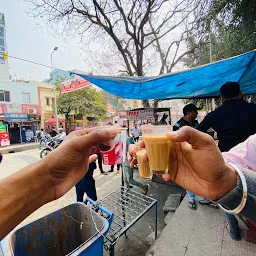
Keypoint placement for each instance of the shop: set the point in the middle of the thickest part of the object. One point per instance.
(156, 116)
(20, 128)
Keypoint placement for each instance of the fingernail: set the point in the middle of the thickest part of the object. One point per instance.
(112, 130)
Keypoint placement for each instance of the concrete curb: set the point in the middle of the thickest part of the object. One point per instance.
(19, 148)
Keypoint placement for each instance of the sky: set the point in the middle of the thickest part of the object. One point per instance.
(28, 40)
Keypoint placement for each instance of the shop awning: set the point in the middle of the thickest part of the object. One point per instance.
(53, 121)
(200, 82)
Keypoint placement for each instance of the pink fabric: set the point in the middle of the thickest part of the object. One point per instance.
(243, 154)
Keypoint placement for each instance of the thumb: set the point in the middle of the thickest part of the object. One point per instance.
(95, 138)
(190, 135)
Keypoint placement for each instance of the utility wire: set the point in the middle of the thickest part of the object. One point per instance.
(36, 63)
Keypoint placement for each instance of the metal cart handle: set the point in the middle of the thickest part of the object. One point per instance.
(103, 209)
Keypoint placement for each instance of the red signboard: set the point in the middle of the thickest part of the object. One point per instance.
(74, 84)
(3, 108)
(4, 139)
(140, 114)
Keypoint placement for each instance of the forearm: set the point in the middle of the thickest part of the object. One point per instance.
(21, 194)
(234, 197)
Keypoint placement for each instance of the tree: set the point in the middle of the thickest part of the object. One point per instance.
(87, 102)
(227, 29)
(232, 25)
(146, 34)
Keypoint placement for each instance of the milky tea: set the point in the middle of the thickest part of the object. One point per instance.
(144, 170)
(158, 147)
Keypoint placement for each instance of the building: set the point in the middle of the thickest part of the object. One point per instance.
(4, 69)
(46, 101)
(19, 109)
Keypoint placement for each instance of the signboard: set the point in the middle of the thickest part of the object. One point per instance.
(29, 136)
(140, 114)
(2, 127)
(4, 139)
(2, 108)
(74, 84)
(14, 108)
(12, 117)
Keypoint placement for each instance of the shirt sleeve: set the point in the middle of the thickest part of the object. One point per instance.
(176, 127)
(205, 124)
(234, 197)
(243, 154)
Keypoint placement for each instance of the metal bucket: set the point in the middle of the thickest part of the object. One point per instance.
(68, 231)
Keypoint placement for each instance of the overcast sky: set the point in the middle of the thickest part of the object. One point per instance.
(26, 38)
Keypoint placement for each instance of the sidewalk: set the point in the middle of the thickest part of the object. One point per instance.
(19, 147)
(198, 233)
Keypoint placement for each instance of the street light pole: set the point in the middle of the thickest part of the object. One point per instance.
(54, 91)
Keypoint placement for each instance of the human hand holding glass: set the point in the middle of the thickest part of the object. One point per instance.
(196, 164)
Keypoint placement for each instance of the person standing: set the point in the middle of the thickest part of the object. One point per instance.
(189, 117)
(234, 121)
(118, 166)
(129, 171)
(100, 161)
(60, 136)
(190, 114)
(42, 137)
(87, 185)
(135, 132)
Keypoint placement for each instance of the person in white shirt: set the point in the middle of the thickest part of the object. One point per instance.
(61, 135)
(135, 133)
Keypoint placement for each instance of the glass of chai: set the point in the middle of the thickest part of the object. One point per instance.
(158, 147)
(144, 170)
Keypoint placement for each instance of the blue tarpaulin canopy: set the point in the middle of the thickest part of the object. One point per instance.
(200, 82)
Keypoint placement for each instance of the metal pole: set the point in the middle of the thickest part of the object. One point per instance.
(54, 91)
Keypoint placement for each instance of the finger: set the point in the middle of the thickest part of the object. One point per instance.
(92, 158)
(94, 138)
(133, 162)
(190, 135)
(88, 130)
(166, 177)
(145, 158)
(141, 144)
(132, 150)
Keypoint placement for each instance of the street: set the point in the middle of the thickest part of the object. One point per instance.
(105, 184)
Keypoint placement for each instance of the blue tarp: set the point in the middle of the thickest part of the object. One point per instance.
(200, 82)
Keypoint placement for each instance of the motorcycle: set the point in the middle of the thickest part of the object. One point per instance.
(50, 145)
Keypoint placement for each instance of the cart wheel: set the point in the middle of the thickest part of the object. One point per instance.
(45, 152)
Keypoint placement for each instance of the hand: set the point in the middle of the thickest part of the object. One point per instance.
(196, 164)
(68, 163)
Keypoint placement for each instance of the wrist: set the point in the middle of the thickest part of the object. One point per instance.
(227, 182)
(47, 185)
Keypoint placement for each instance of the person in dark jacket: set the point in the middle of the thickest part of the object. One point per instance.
(87, 185)
(234, 121)
(189, 118)
(53, 133)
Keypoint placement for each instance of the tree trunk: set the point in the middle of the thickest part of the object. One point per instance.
(155, 103)
(145, 103)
